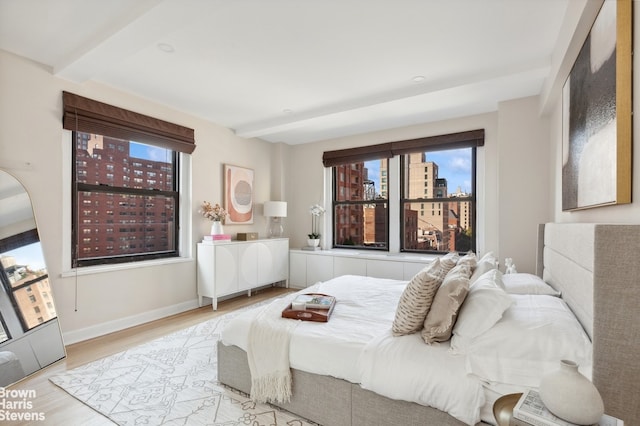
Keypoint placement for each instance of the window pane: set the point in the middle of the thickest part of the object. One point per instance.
(28, 281)
(360, 205)
(361, 181)
(124, 224)
(438, 200)
(361, 225)
(32, 303)
(120, 163)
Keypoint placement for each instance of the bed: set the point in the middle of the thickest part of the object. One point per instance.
(347, 382)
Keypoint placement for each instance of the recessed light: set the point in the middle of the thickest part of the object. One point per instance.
(287, 111)
(418, 78)
(165, 47)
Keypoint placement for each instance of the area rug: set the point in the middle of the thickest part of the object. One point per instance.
(169, 381)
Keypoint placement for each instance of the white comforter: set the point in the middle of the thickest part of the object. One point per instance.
(356, 345)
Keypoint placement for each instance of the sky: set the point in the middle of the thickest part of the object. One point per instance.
(453, 165)
(148, 152)
(30, 255)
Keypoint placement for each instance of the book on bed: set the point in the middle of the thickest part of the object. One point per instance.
(314, 301)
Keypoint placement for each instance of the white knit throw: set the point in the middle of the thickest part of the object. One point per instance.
(268, 353)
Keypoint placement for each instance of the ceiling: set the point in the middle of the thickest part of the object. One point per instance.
(297, 71)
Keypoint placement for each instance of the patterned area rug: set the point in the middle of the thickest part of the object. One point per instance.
(169, 381)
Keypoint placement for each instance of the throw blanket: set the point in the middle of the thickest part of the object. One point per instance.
(268, 353)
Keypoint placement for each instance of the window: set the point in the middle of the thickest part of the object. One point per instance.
(147, 206)
(360, 205)
(125, 185)
(437, 194)
(448, 224)
(25, 280)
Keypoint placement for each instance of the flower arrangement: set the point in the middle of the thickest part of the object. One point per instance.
(215, 213)
(316, 211)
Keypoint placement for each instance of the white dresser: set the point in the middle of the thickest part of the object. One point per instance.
(231, 267)
(310, 267)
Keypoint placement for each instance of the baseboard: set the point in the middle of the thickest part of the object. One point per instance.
(98, 330)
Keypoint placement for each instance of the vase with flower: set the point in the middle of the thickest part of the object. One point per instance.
(215, 213)
(313, 239)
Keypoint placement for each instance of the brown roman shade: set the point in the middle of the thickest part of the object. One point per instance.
(389, 149)
(354, 155)
(87, 115)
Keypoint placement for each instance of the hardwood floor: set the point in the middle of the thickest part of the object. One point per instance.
(59, 408)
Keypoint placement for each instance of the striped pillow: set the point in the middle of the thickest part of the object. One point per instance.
(416, 299)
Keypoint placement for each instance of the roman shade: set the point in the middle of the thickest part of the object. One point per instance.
(86, 115)
(354, 155)
(389, 149)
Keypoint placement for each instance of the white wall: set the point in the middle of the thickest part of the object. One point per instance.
(523, 180)
(31, 148)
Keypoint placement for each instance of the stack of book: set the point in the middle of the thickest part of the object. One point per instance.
(210, 239)
(530, 411)
(313, 301)
(310, 307)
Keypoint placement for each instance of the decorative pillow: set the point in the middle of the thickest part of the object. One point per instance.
(529, 341)
(523, 283)
(446, 304)
(449, 260)
(482, 308)
(470, 259)
(486, 263)
(416, 299)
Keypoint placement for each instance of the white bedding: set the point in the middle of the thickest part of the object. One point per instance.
(333, 348)
(356, 345)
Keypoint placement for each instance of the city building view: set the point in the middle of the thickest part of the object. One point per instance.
(434, 218)
(113, 218)
(31, 291)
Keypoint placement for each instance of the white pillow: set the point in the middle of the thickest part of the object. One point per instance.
(523, 283)
(486, 263)
(482, 308)
(528, 342)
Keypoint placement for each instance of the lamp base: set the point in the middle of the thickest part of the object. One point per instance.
(276, 230)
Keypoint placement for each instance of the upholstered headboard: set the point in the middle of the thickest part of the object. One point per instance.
(595, 268)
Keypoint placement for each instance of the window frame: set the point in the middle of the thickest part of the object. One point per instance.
(78, 187)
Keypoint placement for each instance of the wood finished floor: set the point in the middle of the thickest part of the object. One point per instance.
(60, 408)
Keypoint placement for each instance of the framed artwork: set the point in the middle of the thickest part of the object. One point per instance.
(596, 109)
(238, 194)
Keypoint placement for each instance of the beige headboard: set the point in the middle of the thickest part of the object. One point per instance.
(595, 266)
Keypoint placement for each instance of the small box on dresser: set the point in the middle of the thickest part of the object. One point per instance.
(247, 236)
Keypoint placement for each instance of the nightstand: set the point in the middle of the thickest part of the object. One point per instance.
(503, 412)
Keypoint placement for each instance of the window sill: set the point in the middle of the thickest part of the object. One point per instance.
(91, 270)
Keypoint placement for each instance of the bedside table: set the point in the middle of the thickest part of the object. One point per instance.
(503, 412)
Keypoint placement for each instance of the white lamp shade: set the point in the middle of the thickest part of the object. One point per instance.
(275, 208)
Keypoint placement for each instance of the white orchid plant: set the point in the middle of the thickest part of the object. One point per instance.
(316, 211)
